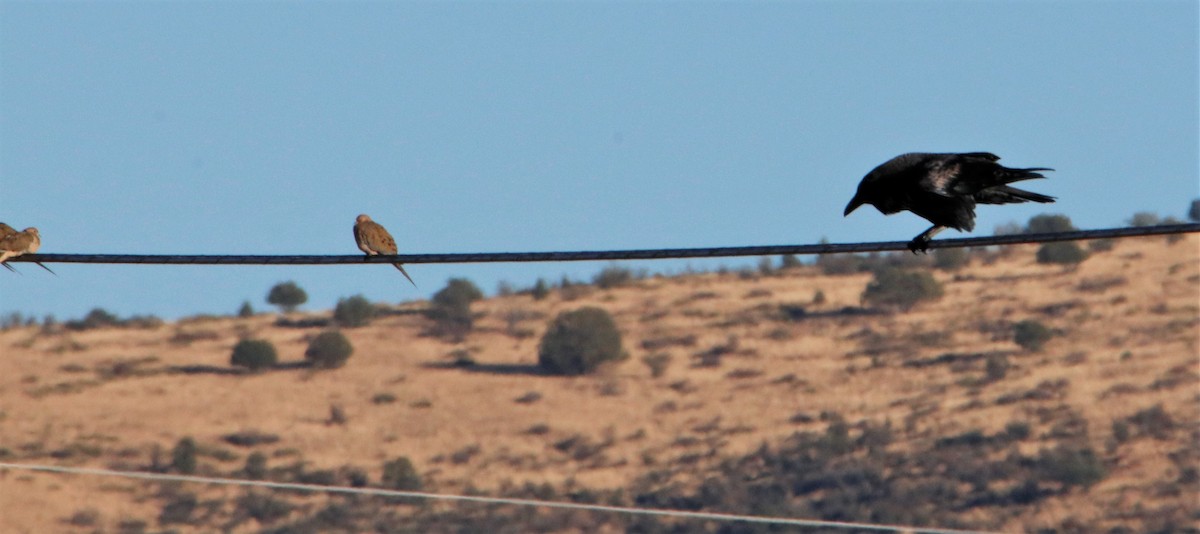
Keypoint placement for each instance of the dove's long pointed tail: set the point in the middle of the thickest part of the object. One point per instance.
(405, 273)
(39, 264)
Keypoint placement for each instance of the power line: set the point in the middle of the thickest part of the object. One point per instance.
(640, 254)
(379, 492)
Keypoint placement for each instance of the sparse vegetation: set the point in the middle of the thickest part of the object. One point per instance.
(1061, 253)
(577, 342)
(399, 474)
(950, 259)
(246, 310)
(1049, 224)
(540, 290)
(287, 295)
(329, 350)
(450, 308)
(183, 456)
(254, 354)
(903, 289)
(1031, 335)
(657, 363)
(353, 312)
(1193, 213)
(613, 276)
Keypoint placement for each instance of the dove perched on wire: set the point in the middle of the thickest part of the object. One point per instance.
(5, 231)
(373, 239)
(26, 241)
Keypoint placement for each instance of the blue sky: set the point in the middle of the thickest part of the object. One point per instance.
(265, 128)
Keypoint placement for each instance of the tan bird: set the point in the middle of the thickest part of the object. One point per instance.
(375, 240)
(5, 231)
(24, 242)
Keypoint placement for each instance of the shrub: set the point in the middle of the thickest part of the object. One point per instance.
(246, 310)
(1048, 224)
(256, 466)
(254, 354)
(97, 318)
(399, 474)
(577, 342)
(835, 264)
(451, 308)
(789, 261)
(657, 363)
(1194, 211)
(183, 456)
(1071, 467)
(1061, 252)
(1154, 422)
(950, 259)
(263, 507)
(1144, 218)
(329, 350)
(612, 276)
(996, 367)
(178, 508)
(901, 289)
(287, 295)
(353, 312)
(540, 290)
(1031, 334)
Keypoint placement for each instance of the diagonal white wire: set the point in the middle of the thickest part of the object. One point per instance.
(380, 492)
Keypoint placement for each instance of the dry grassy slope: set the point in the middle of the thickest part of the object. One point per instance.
(57, 405)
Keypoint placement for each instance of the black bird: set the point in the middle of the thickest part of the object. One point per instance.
(943, 188)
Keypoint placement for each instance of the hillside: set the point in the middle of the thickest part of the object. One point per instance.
(759, 371)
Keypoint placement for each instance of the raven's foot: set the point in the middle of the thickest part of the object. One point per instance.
(919, 244)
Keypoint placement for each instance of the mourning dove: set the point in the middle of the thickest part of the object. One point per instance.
(5, 231)
(375, 240)
(26, 241)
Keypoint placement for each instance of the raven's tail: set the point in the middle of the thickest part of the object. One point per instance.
(1010, 195)
(1007, 175)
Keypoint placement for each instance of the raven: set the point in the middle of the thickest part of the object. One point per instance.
(943, 189)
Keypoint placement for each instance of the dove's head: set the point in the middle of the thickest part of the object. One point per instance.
(31, 230)
(362, 218)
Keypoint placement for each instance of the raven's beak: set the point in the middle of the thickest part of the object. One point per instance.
(853, 205)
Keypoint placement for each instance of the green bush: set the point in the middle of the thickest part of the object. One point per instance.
(837, 264)
(657, 363)
(183, 456)
(246, 310)
(1049, 223)
(329, 350)
(789, 261)
(353, 312)
(254, 354)
(612, 276)
(1194, 211)
(399, 474)
(540, 290)
(1061, 252)
(950, 259)
(450, 308)
(996, 367)
(577, 342)
(1031, 335)
(901, 289)
(256, 466)
(1144, 218)
(287, 295)
(97, 318)
(1071, 467)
